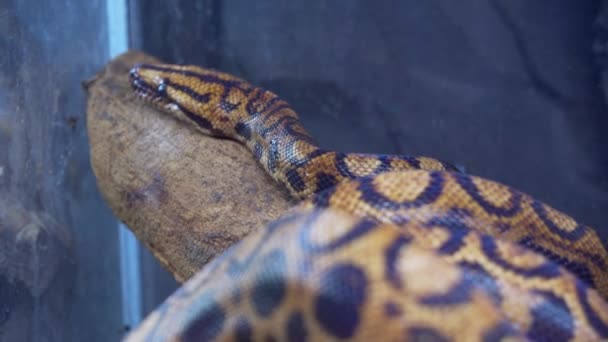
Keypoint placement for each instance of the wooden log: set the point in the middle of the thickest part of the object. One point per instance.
(36, 269)
(186, 196)
(33, 247)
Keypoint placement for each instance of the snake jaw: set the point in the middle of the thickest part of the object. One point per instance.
(152, 93)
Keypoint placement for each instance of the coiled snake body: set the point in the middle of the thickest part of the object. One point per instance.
(382, 247)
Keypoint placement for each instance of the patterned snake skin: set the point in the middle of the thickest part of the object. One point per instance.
(382, 247)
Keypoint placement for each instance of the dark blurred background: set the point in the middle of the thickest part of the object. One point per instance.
(511, 90)
(507, 89)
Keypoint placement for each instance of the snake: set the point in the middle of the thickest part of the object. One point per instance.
(380, 247)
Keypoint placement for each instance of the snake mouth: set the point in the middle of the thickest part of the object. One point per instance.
(145, 90)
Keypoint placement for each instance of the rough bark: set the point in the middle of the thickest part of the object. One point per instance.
(186, 196)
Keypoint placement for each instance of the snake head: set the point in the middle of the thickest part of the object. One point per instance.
(190, 93)
(151, 84)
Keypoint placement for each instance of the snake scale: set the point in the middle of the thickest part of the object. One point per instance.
(381, 247)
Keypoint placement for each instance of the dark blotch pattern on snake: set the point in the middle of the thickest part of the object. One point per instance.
(382, 247)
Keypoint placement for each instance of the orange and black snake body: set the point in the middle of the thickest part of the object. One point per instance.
(381, 247)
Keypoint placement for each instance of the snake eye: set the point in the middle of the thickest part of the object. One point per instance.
(162, 88)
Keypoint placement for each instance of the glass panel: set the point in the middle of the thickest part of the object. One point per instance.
(59, 252)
